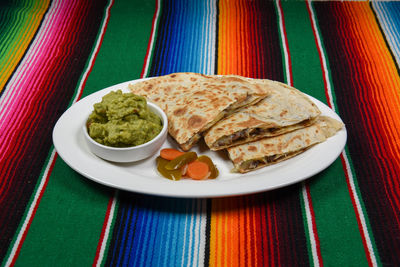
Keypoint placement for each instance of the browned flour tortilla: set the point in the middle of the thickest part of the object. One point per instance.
(270, 150)
(194, 102)
(285, 109)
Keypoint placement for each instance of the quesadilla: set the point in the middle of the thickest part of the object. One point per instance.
(285, 109)
(270, 150)
(194, 102)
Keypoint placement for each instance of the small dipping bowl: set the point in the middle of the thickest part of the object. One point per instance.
(133, 153)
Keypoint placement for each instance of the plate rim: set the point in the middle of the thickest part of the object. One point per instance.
(162, 186)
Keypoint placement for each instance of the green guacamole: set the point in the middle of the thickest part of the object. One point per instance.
(123, 120)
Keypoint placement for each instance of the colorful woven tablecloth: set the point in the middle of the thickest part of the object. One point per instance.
(346, 54)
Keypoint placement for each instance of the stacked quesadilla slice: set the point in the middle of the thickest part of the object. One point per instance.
(254, 155)
(194, 102)
(285, 109)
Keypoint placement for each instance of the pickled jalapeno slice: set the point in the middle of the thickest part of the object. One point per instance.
(211, 166)
(180, 161)
(169, 174)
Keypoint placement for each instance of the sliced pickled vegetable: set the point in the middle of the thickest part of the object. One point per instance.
(170, 153)
(214, 171)
(169, 174)
(198, 170)
(180, 161)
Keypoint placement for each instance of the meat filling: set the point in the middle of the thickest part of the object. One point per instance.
(243, 135)
(253, 164)
(250, 134)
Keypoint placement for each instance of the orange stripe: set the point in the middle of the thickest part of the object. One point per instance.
(383, 73)
(214, 234)
(230, 45)
(233, 236)
(385, 79)
(243, 234)
(383, 82)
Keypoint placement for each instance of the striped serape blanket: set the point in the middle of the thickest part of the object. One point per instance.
(346, 54)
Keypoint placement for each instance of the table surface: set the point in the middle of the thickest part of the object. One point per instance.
(345, 54)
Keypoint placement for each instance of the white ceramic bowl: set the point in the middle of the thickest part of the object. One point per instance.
(134, 153)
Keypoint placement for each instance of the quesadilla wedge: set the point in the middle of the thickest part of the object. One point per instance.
(270, 150)
(285, 109)
(194, 102)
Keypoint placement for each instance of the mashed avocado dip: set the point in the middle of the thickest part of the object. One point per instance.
(123, 120)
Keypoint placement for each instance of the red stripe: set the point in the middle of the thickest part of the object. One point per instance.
(324, 71)
(98, 48)
(310, 206)
(314, 226)
(16, 155)
(46, 95)
(250, 217)
(319, 53)
(103, 231)
(363, 94)
(366, 93)
(15, 256)
(391, 169)
(42, 95)
(241, 203)
(109, 206)
(286, 45)
(278, 261)
(364, 241)
(153, 26)
(270, 239)
(259, 231)
(264, 248)
(256, 72)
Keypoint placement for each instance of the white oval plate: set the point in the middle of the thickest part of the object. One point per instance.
(142, 176)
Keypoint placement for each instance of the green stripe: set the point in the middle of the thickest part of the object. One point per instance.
(68, 222)
(124, 47)
(15, 24)
(335, 218)
(26, 213)
(353, 173)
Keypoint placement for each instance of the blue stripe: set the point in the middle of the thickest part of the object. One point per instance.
(129, 233)
(118, 234)
(153, 234)
(137, 243)
(195, 216)
(388, 14)
(147, 220)
(123, 236)
(184, 48)
(155, 230)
